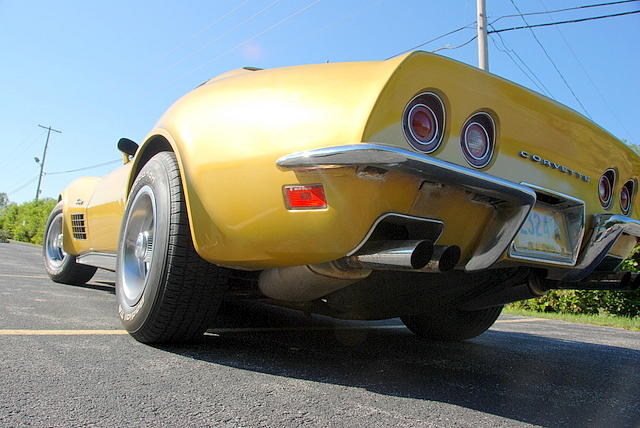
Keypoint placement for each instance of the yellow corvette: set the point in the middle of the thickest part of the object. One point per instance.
(416, 187)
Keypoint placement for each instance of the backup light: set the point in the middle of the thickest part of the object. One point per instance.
(307, 197)
(477, 140)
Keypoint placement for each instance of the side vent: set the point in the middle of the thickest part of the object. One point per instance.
(78, 227)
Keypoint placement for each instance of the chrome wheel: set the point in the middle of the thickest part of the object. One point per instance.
(54, 250)
(137, 246)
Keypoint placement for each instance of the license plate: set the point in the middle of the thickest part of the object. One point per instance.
(543, 235)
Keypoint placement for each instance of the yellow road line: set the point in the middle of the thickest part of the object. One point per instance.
(8, 275)
(60, 332)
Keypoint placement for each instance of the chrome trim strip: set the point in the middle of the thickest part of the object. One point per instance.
(101, 260)
(606, 231)
(512, 202)
(569, 204)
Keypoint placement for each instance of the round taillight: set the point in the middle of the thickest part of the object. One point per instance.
(604, 190)
(626, 196)
(478, 139)
(423, 124)
(625, 200)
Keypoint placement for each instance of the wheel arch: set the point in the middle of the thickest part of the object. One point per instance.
(159, 140)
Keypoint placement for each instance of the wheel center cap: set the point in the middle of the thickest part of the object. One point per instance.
(58, 241)
(141, 245)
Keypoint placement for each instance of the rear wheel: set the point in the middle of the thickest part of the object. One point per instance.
(165, 291)
(452, 325)
(60, 266)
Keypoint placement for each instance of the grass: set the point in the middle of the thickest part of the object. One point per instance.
(605, 320)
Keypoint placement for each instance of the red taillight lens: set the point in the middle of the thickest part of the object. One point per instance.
(423, 122)
(476, 141)
(305, 197)
(625, 199)
(604, 190)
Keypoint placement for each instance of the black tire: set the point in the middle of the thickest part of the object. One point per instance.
(179, 293)
(60, 266)
(452, 325)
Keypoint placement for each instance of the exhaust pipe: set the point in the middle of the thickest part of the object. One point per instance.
(307, 282)
(391, 255)
(444, 259)
(615, 281)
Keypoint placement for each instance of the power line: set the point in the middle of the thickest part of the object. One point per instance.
(84, 168)
(456, 47)
(551, 61)
(586, 6)
(434, 39)
(507, 51)
(22, 186)
(207, 28)
(570, 21)
(332, 24)
(250, 39)
(21, 149)
(231, 30)
(586, 73)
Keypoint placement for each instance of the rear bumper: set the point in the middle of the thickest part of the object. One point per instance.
(511, 202)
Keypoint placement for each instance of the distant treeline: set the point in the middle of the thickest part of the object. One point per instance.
(24, 222)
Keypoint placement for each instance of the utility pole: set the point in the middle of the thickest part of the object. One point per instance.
(483, 53)
(44, 156)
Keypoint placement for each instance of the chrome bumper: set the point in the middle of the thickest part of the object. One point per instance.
(606, 231)
(511, 201)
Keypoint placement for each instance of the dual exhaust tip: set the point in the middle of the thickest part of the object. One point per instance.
(416, 255)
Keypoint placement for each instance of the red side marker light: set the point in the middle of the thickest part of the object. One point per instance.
(305, 197)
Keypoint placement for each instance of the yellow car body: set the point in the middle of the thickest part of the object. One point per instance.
(229, 133)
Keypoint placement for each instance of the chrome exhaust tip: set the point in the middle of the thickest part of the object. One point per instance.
(444, 259)
(392, 255)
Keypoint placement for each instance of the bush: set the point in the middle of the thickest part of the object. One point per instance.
(621, 303)
(26, 222)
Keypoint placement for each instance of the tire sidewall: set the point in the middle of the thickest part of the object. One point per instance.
(154, 174)
(54, 271)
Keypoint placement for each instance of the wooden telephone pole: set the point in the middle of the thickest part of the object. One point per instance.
(44, 156)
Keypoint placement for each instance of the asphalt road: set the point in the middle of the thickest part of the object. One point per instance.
(66, 362)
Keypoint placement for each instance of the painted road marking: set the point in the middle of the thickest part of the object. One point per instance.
(60, 332)
(8, 275)
(216, 331)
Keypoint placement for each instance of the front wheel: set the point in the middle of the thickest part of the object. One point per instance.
(165, 291)
(60, 266)
(451, 325)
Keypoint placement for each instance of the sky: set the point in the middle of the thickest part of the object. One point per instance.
(99, 71)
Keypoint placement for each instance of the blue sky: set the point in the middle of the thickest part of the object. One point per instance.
(99, 71)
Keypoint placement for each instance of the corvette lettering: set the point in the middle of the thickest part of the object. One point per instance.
(553, 165)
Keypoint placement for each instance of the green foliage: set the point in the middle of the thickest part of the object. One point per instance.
(622, 303)
(4, 201)
(25, 222)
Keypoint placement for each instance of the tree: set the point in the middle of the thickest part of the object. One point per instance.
(4, 201)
